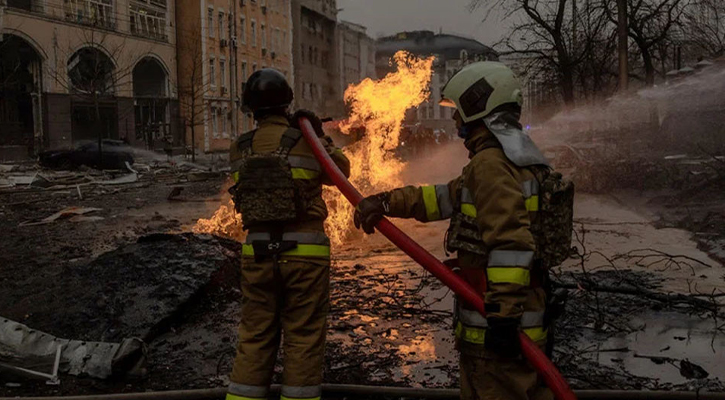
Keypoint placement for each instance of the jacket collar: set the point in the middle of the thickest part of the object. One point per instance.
(274, 120)
(479, 140)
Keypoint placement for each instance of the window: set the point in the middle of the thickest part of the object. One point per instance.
(310, 55)
(212, 72)
(284, 39)
(223, 72)
(224, 115)
(303, 54)
(147, 21)
(244, 71)
(277, 39)
(264, 37)
(210, 21)
(254, 33)
(222, 31)
(254, 67)
(243, 29)
(214, 121)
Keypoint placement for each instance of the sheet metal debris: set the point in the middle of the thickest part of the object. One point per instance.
(22, 349)
(74, 214)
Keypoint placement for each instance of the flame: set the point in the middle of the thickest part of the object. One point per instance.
(225, 222)
(379, 107)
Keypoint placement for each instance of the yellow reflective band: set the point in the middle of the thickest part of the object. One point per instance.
(235, 397)
(235, 176)
(299, 398)
(469, 209)
(301, 173)
(520, 276)
(431, 203)
(302, 250)
(532, 203)
(478, 335)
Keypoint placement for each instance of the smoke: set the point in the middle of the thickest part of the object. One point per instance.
(442, 164)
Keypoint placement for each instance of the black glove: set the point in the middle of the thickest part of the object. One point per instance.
(502, 337)
(371, 210)
(314, 120)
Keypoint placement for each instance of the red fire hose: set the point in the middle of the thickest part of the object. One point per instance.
(538, 360)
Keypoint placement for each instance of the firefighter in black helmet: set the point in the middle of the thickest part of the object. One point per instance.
(286, 256)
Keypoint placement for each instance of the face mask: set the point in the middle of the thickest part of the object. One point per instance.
(464, 131)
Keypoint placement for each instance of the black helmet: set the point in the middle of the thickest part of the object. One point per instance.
(266, 89)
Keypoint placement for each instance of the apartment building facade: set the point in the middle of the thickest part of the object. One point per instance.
(316, 57)
(220, 44)
(357, 54)
(83, 69)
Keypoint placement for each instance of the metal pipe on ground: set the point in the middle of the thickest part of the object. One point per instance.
(387, 391)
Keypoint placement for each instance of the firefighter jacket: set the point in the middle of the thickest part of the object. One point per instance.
(496, 202)
(308, 230)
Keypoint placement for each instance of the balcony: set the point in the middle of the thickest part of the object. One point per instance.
(148, 19)
(98, 13)
(26, 5)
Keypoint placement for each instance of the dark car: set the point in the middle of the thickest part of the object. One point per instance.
(116, 154)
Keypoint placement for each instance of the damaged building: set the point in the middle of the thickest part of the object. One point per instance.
(85, 70)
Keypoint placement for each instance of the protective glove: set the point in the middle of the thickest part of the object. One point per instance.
(371, 210)
(502, 337)
(314, 120)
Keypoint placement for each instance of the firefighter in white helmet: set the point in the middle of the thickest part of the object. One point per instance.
(491, 206)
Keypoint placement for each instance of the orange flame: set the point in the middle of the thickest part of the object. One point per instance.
(379, 106)
(225, 222)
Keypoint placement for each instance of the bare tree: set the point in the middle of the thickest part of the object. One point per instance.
(705, 26)
(93, 73)
(555, 34)
(650, 22)
(193, 84)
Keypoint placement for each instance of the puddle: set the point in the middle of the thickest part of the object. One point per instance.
(669, 335)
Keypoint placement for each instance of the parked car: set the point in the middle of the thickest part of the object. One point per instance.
(116, 154)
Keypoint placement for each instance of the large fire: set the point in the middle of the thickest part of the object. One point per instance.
(377, 106)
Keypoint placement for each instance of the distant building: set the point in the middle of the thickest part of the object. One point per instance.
(220, 44)
(452, 52)
(315, 55)
(75, 70)
(357, 54)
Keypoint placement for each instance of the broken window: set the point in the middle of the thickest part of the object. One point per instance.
(90, 12)
(148, 19)
(91, 71)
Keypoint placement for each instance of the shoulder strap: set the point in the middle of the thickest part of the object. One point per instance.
(289, 140)
(244, 144)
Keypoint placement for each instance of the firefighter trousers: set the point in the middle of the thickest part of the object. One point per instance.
(495, 378)
(290, 297)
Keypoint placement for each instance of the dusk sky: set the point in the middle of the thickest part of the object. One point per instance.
(391, 16)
